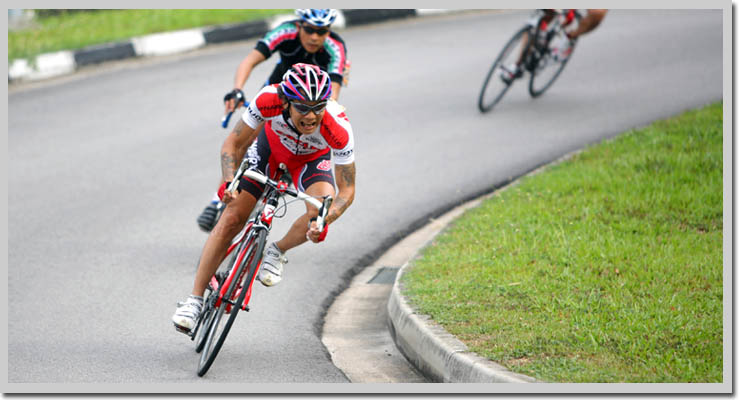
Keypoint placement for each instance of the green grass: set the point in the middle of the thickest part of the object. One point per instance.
(604, 268)
(76, 30)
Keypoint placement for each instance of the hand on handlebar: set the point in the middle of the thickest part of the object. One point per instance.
(225, 194)
(317, 226)
(228, 197)
(232, 100)
(313, 234)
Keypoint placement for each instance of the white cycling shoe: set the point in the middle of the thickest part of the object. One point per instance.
(187, 313)
(271, 272)
(510, 72)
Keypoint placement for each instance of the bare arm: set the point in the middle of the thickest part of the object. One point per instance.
(234, 147)
(246, 66)
(589, 22)
(335, 88)
(345, 175)
(242, 73)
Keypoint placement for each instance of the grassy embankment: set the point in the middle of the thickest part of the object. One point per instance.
(604, 268)
(70, 31)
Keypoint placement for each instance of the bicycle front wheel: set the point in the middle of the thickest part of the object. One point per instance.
(206, 318)
(219, 326)
(549, 65)
(209, 307)
(494, 87)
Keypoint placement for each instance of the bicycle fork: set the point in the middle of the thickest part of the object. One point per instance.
(263, 223)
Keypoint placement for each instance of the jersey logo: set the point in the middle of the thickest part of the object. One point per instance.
(269, 104)
(333, 133)
(345, 153)
(255, 115)
(324, 165)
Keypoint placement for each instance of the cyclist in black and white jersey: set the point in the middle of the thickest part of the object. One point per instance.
(307, 40)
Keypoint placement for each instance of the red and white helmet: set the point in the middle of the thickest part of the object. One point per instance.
(306, 82)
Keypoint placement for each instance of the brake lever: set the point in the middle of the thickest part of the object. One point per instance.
(227, 117)
(323, 211)
(238, 176)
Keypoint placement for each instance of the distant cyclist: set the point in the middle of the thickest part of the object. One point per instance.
(308, 39)
(308, 132)
(589, 22)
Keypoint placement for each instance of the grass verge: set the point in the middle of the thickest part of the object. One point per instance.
(70, 31)
(604, 268)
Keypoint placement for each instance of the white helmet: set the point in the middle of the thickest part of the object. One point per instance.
(317, 16)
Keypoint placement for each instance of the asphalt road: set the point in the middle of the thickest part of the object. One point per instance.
(108, 170)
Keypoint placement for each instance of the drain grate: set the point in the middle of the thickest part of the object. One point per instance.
(385, 276)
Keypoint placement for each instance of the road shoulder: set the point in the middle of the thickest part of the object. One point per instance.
(371, 324)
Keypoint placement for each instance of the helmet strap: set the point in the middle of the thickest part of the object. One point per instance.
(288, 121)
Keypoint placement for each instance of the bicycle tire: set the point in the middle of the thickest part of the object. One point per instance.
(485, 105)
(200, 338)
(210, 311)
(536, 72)
(204, 322)
(251, 260)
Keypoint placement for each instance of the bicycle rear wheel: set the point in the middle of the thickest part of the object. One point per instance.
(548, 68)
(218, 327)
(494, 87)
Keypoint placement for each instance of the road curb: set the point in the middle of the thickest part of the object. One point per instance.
(55, 64)
(427, 345)
(436, 352)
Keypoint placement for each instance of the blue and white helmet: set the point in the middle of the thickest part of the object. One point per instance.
(317, 16)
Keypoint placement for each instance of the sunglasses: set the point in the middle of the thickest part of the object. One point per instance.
(305, 108)
(311, 30)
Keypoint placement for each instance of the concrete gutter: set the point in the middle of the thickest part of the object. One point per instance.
(435, 352)
(50, 65)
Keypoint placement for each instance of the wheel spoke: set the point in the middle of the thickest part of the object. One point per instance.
(547, 68)
(218, 327)
(494, 86)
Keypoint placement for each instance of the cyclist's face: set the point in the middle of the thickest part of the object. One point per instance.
(308, 122)
(312, 37)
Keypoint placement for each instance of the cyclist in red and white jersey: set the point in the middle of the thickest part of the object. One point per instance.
(308, 40)
(305, 130)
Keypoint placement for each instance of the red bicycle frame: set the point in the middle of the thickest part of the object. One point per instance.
(265, 222)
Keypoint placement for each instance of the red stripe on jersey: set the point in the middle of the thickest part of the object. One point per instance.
(286, 36)
(269, 104)
(335, 135)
